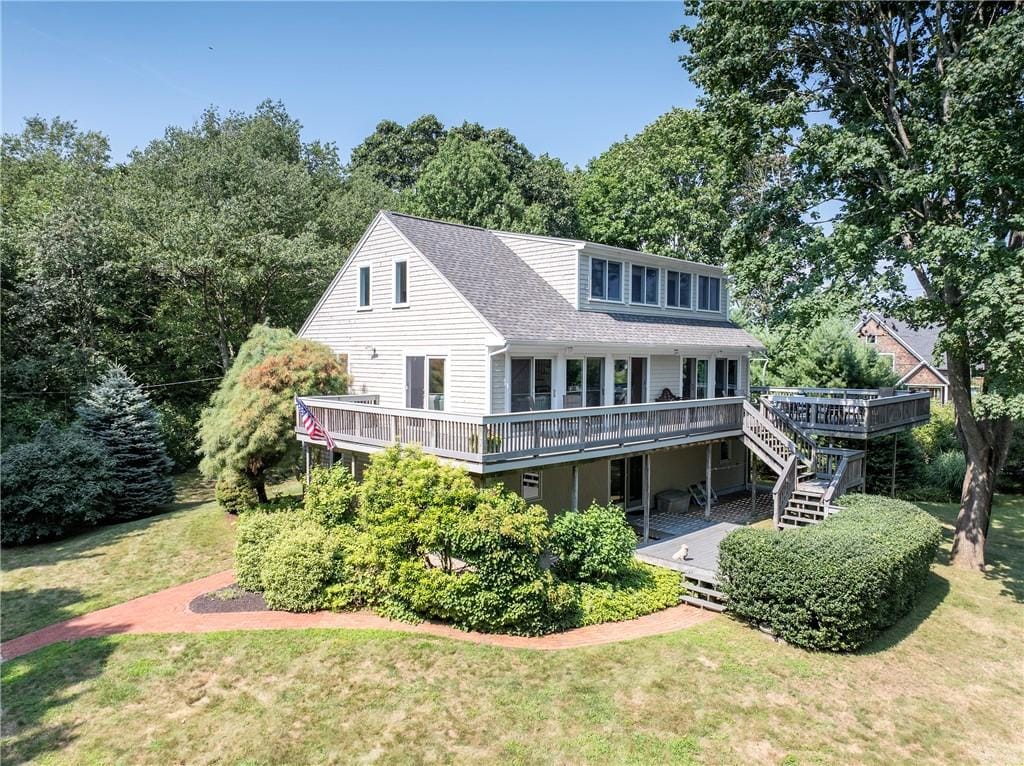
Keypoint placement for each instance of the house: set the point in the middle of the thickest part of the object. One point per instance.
(574, 372)
(911, 352)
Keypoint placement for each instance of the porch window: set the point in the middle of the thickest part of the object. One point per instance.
(726, 377)
(584, 382)
(709, 293)
(605, 279)
(401, 283)
(621, 381)
(677, 290)
(702, 379)
(531, 485)
(595, 381)
(531, 384)
(435, 384)
(644, 285)
(364, 286)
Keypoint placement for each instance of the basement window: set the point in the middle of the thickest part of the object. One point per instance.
(531, 485)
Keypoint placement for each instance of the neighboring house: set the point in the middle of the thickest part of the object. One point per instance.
(911, 352)
(573, 373)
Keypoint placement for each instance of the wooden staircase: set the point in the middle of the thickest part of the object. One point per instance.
(810, 478)
(702, 591)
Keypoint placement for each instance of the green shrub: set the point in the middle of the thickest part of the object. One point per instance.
(331, 496)
(257, 529)
(234, 493)
(299, 564)
(593, 545)
(946, 472)
(938, 435)
(641, 589)
(833, 586)
(504, 588)
(55, 484)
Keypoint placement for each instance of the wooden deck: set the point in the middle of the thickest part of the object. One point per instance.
(849, 413)
(702, 536)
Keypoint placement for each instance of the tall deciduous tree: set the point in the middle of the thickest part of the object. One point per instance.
(229, 216)
(248, 426)
(118, 415)
(908, 120)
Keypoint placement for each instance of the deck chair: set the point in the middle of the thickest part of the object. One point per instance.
(699, 494)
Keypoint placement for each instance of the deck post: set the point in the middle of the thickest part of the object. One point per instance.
(330, 458)
(647, 497)
(893, 492)
(707, 485)
(753, 481)
(305, 454)
(575, 486)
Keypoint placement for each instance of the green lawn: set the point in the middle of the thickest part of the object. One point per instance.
(43, 584)
(943, 687)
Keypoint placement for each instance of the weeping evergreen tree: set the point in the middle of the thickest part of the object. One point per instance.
(119, 416)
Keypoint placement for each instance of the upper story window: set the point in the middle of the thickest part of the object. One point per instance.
(709, 293)
(364, 286)
(401, 283)
(872, 339)
(605, 279)
(644, 285)
(677, 289)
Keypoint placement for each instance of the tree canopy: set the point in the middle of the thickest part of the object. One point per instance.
(907, 120)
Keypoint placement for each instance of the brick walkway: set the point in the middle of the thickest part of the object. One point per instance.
(167, 612)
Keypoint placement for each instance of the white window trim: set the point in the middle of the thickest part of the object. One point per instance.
(692, 280)
(890, 356)
(646, 268)
(540, 486)
(427, 356)
(394, 286)
(622, 287)
(369, 288)
(720, 291)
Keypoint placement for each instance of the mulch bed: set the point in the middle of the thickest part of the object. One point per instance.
(229, 599)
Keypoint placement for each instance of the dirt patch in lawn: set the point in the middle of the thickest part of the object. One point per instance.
(229, 599)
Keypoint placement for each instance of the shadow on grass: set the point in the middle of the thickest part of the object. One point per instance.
(935, 592)
(46, 605)
(1004, 550)
(38, 685)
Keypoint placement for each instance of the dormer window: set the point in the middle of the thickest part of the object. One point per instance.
(709, 293)
(677, 289)
(401, 297)
(605, 280)
(644, 285)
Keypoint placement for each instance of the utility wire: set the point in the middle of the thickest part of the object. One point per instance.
(31, 394)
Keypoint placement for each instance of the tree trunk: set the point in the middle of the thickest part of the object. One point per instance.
(261, 489)
(975, 510)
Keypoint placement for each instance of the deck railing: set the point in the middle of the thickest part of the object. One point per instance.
(849, 413)
(493, 439)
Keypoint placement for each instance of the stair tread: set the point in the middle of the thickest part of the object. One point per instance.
(714, 607)
(701, 589)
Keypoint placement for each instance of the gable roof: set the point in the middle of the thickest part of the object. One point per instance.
(920, 342)
(523, 307)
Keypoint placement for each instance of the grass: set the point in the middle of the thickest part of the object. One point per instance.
(43, 584)
(943, 686)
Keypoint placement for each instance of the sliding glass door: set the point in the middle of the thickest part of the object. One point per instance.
(584, 382)
(530, 384)
(626, 482)
(424, 382)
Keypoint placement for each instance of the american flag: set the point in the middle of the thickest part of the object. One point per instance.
(314, 430)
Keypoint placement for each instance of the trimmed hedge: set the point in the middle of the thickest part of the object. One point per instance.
(642, 589)
(593, 545)
(298, 566)
(836, 585)
(257, 529)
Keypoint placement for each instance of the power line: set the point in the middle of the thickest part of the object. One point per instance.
(34, 394)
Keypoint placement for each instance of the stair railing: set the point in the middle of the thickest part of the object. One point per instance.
(805, 445)
(783, 490)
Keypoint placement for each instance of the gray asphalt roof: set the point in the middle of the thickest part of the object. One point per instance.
(522, 306)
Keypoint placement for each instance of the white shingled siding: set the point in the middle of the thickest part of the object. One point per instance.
(664, 374)
(694, 269)
(498, 383)
(437, 321)
(555, 261)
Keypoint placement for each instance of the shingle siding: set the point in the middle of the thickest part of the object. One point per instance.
(555, 261)
(437, 320)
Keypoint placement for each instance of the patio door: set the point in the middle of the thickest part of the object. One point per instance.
(626, 482)
(584, 382)
(531, 384)
(424, 382)
(630, 380)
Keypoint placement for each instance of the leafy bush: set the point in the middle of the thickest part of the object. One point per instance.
(504, 588)
(331, 496)
(234, 493)
(641, 589)
(593, 545)
(836, 585)
(58, 482)
(257, 529)
(299, 564)
(946, 474)
(938, 435)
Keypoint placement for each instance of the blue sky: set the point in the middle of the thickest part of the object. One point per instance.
(566, 78)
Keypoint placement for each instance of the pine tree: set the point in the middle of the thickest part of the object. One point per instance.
(119, 416)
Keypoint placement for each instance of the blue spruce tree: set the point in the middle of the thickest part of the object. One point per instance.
(119, 416)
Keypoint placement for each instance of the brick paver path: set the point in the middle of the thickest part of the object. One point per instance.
(167, 612)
